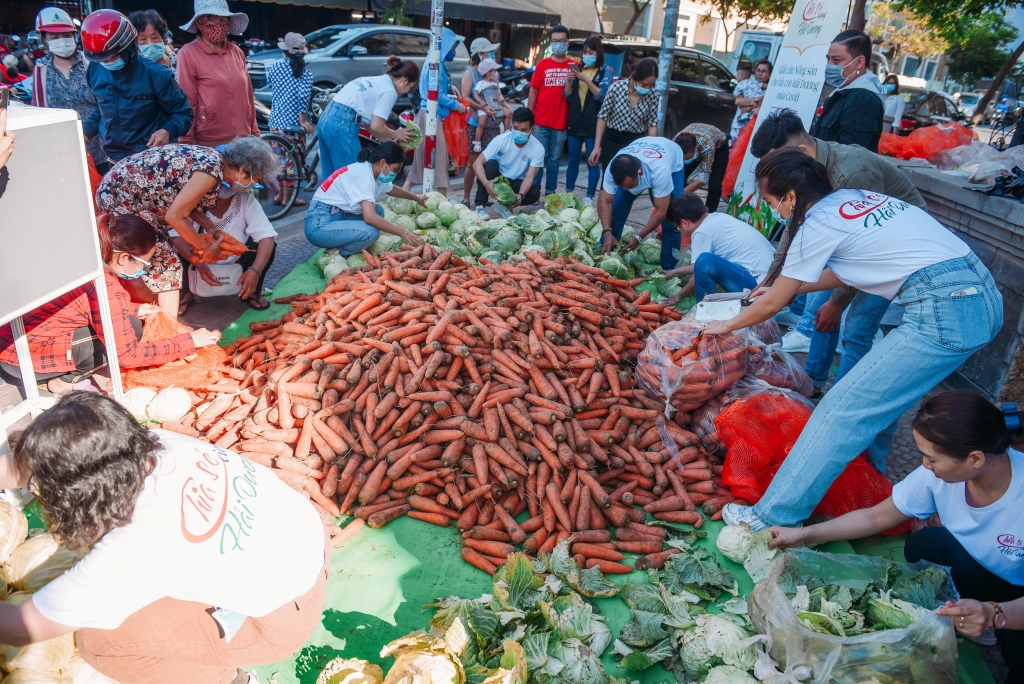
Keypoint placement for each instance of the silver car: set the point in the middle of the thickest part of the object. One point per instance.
(341, 53)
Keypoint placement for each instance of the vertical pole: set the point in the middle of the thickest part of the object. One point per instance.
(108, 336)
(433, 78)
(665, 58)
(28, 374)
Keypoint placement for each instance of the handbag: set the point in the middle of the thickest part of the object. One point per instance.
(226, 274)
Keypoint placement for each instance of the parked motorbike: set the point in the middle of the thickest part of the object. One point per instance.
(515, 84)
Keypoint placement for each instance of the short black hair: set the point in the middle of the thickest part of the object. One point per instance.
(777, 130)
(625, 166)
(559, 29)
(766, 63)
(857, 42)
(522, 114)
(141, 19)
(686, 207)
(687, 141)
(644, 69)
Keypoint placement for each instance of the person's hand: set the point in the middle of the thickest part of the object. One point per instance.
(717, 328)
(608, 242)
(6, 139)
(594, 157)
(784, 537)
(969, 617)
(421, 200)
(207, 275)
(148, 310)
(488, 186)
(402, 134)
(828, 317)
(412, 238)
(159, 137)
(632, 244)
(760, 291)
(308, 127)
(489, 111)
(249, 280)
(461, 109)
(204, 337)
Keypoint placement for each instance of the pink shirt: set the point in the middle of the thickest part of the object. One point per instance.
(218, 88)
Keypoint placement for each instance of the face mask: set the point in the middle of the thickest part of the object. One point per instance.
(133, 276)
(236, 188)
(386, 178)
(559, 48)
(589, 60)
(213, 33)
(778, 217)
(519, 137)
(834, 74)
(450, 56)
(116, 65)
(640, 90)
(491, 55)
(152, 52)
(889, 88)
(62, 47)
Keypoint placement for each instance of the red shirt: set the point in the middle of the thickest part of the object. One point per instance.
(50, 328)
(549, 78)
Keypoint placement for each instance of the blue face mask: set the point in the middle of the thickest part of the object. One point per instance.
(116, 65)
(559, 48)
(640, 90)
(132, 276)
(834, 74)
(778, 217)
(589, 60)
(889, 87)
(450, 56)
(491, 55)
(152, 52)
(519, 137)
(387, 177)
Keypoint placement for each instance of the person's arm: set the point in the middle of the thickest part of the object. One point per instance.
(977, 616)
(830, 313)
(594, 88)
(531, 175)
(686, 290)
(23, 625)
(531, 100)
(595, 156)
(681, 271)
(604, 84)
(853, 525)
(251, 278)
(658, 215)
(371, 216)
(747, 101)
(187, 87)
(764, 307)
(6, 139)
(182, 209)
(703, 171)
(185, 251)
(481, 174)
(402, 193)
(604, 212)
(10, 476)
(305, 93)
(254, 130)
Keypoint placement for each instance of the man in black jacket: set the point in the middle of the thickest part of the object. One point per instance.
(853, 112)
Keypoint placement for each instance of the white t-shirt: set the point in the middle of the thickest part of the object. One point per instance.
(243, 219)
(513, 161)
(871, 241)
(210, 527)
(734, 240)
(993, 535)
(370, 96)
(659, 159)
(350, 186)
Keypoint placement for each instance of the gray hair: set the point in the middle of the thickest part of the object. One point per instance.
(249, 152)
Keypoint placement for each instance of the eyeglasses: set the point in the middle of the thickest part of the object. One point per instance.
(141, 261)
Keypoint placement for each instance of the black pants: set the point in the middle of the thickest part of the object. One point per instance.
(491, 168)
(245, 261)
(87, 352)
(972, 580)
(717, 175)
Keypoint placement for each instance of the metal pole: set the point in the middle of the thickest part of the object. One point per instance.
(108, 337)
(433, 77)
(665, 58)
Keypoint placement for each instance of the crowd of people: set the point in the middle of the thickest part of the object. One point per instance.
(175, 137)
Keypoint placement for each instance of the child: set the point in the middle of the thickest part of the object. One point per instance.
(488, 93)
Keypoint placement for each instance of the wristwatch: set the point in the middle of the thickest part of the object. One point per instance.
(998, 618)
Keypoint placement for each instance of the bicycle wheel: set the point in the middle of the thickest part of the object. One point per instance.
(277, 201)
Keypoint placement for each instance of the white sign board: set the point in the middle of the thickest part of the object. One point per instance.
(798, 76)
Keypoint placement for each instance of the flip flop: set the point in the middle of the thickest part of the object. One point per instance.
(254, 303)
(300, 202)
(184, 305)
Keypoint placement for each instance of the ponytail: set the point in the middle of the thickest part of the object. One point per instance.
(389, 151)
(128, 234)
(399, 68)
(959, 422)
(297, 61)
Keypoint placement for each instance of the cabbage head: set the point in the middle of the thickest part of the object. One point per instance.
(569, 215)
(416, 139)
(531, 224)
(386, 242)
(556, 202)
(403, 206)
(434, 199)
(614, 266)
(589, 218)
(426, 220)
(581, 251)
(666, 287)
(475, 246)
(596, 232)
(726, 674)
(503, 191)
(406, 223)
(389, 215)
(566, 236)
(322, 262)
(508, 240)
(554, 241)
(356, 260)
(627, 233)
(650, 250)
(337, 265)
(492, 255)
(728, 641)
(446, 213)
(440, 237)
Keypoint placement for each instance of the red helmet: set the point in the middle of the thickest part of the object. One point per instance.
(54, 20)
(105, 33)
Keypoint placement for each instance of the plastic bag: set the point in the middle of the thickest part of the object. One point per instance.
(457, 138)
(681, 366)
(925, 142)
(205, 367)
(704, 426)
(924, 652)
(779, 368)
(736, 154)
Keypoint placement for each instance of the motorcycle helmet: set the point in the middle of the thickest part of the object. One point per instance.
(54, 20)
(105, 33)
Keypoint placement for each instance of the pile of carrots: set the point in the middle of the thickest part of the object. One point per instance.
(220, 245)
(468, 394)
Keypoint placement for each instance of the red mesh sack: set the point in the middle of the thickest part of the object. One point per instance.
(205, 367)
(892, 145)
(760, 429)
(924, 142)
(736, 154)
(457, 138)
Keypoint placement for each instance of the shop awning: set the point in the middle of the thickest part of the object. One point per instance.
(331, 4)
(529, 12)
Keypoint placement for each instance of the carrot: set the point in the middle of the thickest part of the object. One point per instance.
(554, 499)
(382, 518)
(594, 551)
(608, 567)
(643, 547)
(433, 518)
(491, 548)
(422, 503)
(688, 517)
(654, 560)
(478, 561)
(511, 526)
(347, 532)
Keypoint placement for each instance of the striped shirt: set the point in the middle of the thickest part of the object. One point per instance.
(709, 139)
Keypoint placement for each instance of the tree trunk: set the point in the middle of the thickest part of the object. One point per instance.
(597, 10)
(857, 20)
(637, 11)
(979, 111)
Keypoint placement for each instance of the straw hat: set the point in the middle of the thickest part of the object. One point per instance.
(218, 8)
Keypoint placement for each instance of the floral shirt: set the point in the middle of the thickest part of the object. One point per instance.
(146, 183)
(749, 88)
(71, 92)
(291, 95)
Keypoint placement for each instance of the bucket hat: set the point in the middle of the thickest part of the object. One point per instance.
(218, 8)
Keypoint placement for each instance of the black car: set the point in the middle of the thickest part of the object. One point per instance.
(927, 108)
(700, 90)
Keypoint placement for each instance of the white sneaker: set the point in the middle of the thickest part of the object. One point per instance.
(481, 211)
(588, 201)
(796, 342)
(734, 514)
(786, 319)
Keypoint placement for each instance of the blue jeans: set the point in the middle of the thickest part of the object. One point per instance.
(339, 138)
(576, 147)
(952, 309)
(823, 345)
(796, 307)
(710, 270)
(671, 238)
(349, 233)
(553, 142)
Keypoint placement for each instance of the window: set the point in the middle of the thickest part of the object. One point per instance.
(951, 110)
(377, 44)
(929, 70)
(632, 56)
(684, 69)
(754, 51)
(411, 45)
(911, 65)
(324, 37)
(715, 76)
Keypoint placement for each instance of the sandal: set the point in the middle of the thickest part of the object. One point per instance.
(300, 202)
(255, 303)
(184, 305)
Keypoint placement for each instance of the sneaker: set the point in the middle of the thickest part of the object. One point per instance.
(588, 201)
(986, 638)
(785, 319)
(481, 211)
(477, 149)
(734, 514)
(796, 342)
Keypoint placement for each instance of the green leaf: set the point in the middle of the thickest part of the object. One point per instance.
(643, 629)
(582, 666)
(921, 587)
(536, 648)
(699, 573)
(516, 586)
(636, 661)
(592, 583)
(645, 597)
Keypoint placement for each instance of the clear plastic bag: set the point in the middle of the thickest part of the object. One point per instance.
(780, 369)
(923, 653)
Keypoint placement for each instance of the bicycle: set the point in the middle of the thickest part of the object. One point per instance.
(1002, 134)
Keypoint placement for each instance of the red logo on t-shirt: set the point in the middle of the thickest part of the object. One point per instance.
(857, 208)
(649, 152)
(1009, 541)
(204, 498)
(325, 186)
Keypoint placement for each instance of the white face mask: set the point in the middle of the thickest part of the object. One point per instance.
(62, 47)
